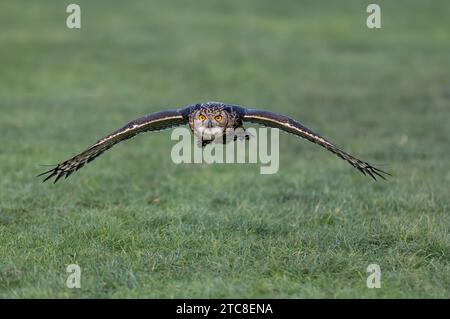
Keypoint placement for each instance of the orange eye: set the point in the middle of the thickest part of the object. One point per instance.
(218, 118)
(201, 117)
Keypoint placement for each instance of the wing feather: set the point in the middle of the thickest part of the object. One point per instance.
(152, 122)
(290, 125)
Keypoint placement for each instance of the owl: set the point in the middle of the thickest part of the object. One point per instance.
(210, 122)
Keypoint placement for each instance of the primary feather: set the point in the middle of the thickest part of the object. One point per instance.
(152, 122)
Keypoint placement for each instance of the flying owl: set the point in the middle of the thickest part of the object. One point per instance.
(210, 122)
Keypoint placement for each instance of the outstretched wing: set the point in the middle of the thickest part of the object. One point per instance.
(292, 126)
(152, 122)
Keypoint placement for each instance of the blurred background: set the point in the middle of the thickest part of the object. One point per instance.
(142, 226)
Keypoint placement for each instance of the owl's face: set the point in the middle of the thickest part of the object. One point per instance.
(208, 122)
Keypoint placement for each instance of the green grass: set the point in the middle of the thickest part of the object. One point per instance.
(310, 230)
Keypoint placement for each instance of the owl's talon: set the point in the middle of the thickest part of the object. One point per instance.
(202, 143)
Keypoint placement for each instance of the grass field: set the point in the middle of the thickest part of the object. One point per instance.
(141, 226)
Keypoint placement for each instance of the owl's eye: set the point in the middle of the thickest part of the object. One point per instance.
(201, 117)
(218, 118)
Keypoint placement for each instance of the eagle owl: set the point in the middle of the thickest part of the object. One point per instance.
(210, 122)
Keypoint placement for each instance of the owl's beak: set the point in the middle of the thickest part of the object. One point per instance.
(209, 124)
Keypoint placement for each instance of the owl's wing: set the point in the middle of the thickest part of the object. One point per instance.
(292, 126)
(152, 122)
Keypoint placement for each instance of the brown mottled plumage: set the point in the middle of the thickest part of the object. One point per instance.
(208, 121)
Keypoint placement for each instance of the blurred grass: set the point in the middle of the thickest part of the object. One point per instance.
(224, 230)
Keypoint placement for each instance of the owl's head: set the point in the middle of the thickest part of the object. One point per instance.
(210, 119)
